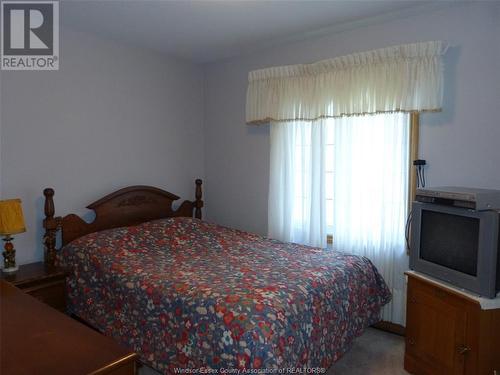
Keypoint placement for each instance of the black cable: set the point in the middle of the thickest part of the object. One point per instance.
(420, 172)
(420, 176)
(407, 229)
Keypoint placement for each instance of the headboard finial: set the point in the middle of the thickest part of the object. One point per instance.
(198, 202)
(49, 202)
(48, 192)
(51, 226)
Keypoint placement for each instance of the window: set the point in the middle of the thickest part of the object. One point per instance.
(364, 160)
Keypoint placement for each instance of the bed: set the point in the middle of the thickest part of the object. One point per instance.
(188, 294)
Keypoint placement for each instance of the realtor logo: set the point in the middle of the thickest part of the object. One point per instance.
(30, 35)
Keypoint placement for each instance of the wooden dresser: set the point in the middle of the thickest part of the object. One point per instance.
(448, 331)
(37, 339)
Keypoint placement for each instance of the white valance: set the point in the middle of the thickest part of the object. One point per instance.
(403, 78)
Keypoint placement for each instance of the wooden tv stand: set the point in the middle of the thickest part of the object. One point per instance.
(449, 331)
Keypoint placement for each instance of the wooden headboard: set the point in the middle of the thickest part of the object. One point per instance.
(128, 206)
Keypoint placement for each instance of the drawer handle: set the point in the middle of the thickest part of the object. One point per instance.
(40, 298)
(462, 349)
(411, 341)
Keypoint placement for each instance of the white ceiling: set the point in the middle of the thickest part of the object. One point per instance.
(205, 31)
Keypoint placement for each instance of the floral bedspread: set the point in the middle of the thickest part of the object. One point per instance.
(186, 294)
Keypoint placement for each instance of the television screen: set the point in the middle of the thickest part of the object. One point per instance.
(450, 241)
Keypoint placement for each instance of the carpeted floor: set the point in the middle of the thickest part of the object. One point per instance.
(374, 353)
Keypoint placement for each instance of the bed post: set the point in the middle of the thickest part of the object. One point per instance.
(51, 226)
(198, 203)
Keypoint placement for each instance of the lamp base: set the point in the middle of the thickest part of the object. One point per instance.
(9, 255)
(10, 269)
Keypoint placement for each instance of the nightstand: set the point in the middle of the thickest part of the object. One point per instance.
(45, 283)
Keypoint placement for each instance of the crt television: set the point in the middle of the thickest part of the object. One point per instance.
(458, 245)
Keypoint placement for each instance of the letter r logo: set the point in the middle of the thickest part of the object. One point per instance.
(27, 28)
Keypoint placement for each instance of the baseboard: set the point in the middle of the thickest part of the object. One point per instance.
(390, 327)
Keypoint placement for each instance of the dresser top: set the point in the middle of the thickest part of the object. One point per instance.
(485, 303)
(37, 339)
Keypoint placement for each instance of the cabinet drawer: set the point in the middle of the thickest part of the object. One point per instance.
(53, 294)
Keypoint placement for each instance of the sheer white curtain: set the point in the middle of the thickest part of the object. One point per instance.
(371, 166)
(296, 206)
(368, 185)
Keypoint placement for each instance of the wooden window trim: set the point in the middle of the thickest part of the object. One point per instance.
(414, 142)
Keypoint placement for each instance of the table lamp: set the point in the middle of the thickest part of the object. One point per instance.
(11, 222)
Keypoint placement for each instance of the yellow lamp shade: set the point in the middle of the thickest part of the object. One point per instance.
(11, 217)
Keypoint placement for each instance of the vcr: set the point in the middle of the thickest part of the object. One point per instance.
(472, 198)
